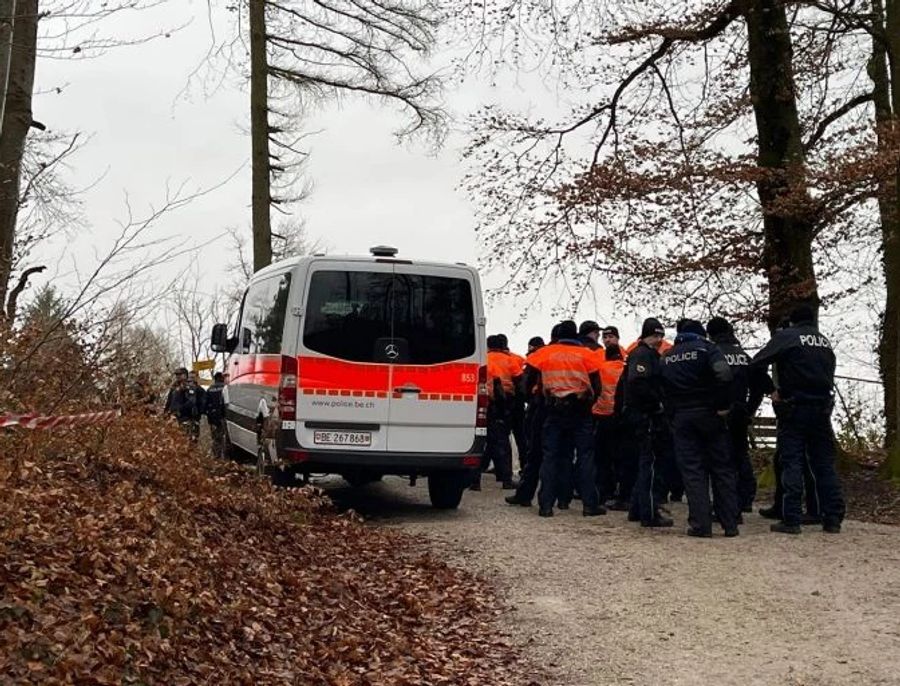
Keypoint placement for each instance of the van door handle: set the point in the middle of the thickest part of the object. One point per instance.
(408, 389)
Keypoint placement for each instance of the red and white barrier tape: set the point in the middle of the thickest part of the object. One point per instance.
(33, 421)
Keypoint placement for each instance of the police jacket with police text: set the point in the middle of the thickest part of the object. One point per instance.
(695, 375)
(749, 384)
(641, 380)
(804, 362)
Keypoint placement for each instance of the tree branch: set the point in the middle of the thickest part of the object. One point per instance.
(841, 111)
(13, 300)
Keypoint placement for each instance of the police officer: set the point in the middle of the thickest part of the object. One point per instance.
(607, 430)
(517, 411)
(570, 380)
(184, 403)
(503, 377)
(215, 413)
(804, 365)
(641, 402)
(812, 504)
(536, 415)
(748, 386)
(697, 396)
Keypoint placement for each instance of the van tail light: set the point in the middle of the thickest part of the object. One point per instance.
(481, 412)
(287, 389)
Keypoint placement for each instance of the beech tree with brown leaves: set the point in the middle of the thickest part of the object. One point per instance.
(724, 158)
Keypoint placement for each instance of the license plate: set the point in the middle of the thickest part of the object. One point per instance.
(348, 438)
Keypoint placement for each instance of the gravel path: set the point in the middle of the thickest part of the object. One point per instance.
(601, 601)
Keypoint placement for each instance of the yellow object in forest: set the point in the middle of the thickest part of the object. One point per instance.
(201, 366)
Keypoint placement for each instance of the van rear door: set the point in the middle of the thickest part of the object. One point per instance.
(344, 385)
(434, 378)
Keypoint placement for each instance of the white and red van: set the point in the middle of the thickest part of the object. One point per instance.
(360, 366)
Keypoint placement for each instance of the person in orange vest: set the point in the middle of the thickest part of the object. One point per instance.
(607, 432)
(537, 413)
(517, 412)
(503, 378)
(570, 378)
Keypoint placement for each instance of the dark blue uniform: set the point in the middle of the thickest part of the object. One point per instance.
(804, 367)
(642, 401)
(215, 415)
(696, 387)
(748, 386)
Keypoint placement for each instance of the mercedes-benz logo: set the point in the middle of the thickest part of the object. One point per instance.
(391, 351)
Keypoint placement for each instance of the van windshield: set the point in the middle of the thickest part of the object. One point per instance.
(385, 317)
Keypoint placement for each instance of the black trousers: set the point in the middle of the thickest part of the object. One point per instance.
(519, 433)
(805, 436)
(606, 455)
(809, 487)
(669, 479)
(566, 433)
(497, 447)
(532, 470)
(645, 498)
(738, 422)
(703, 453)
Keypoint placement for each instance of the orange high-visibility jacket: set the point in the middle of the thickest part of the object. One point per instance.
(664, 347)
(518, 360)
(502, 367)
(565, 369)
(610, 371)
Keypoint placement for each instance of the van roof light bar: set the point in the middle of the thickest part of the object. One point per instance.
(383, 251)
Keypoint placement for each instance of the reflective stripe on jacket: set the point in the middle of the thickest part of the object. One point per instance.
(565, 370)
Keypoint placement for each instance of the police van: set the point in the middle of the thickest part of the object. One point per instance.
(362, 367)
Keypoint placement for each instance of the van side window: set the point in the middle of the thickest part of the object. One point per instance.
(263, 316)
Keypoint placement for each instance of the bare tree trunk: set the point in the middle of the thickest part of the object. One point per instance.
(787, 227)
(7, 22)
(16, 122)
(884, 70)
(259, 134)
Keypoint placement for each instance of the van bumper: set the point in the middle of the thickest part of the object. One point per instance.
(302, 459)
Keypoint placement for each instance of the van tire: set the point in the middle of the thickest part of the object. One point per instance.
(446, 489)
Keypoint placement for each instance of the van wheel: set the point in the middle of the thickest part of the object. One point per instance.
(446, 489)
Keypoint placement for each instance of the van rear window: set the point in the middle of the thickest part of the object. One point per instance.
(419, 319)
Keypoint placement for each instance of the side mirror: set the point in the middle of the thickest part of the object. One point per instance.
(219, 342)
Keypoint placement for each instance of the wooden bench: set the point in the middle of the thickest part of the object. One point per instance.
(763, 432)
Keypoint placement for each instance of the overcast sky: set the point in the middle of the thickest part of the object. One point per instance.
(146, 131)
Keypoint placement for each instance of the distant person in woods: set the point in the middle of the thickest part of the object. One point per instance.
(215, 413)
(184, 403)
(143, 396)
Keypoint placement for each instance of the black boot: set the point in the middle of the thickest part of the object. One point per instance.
(770, 512)
(698, 533)
(593, 511)
(545, 513)
(515, 500)
(782, 528)
(660, 521)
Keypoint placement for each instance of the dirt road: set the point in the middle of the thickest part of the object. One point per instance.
(601, 601)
